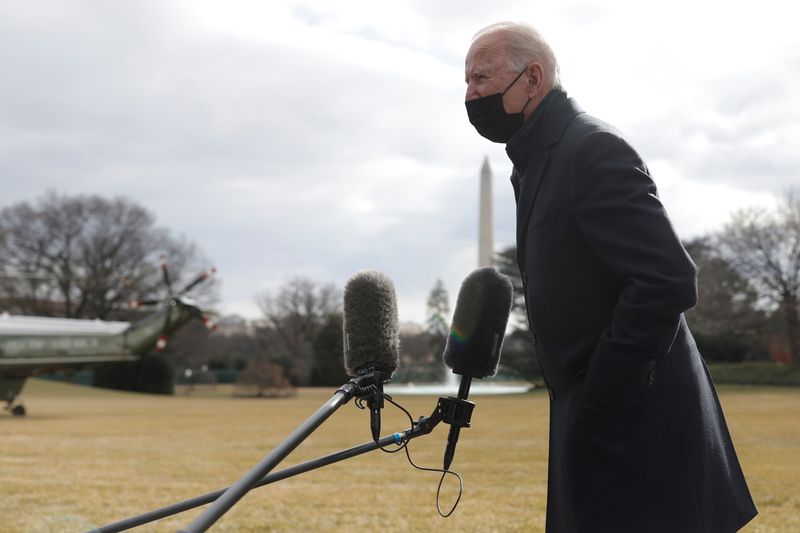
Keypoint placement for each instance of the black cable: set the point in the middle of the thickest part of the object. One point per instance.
(359, 402)
(404, 446)
(410, 419)
(439, 488)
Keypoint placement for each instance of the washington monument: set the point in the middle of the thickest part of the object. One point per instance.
(485, 222)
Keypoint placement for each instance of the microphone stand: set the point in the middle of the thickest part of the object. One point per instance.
(447, 410)
(362, 384)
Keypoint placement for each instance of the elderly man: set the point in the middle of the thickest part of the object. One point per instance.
(638, 441)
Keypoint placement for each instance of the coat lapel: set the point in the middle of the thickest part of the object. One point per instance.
(530, 155)
(528, 190)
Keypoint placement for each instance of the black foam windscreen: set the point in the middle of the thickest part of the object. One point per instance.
(371, 328)
(479, 324)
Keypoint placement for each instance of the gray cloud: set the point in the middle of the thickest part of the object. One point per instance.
(283, 157)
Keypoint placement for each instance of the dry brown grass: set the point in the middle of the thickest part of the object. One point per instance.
(85, 457)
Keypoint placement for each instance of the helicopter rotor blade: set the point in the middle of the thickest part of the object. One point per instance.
(135, 304)
(161, 343)
(165, 273)
(209, 321)
(199, 279)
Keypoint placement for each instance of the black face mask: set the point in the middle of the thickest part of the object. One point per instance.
(490, 119)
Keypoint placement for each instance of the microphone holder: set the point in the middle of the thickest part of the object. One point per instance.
(372, 395)
(456, 412)
(449, 410)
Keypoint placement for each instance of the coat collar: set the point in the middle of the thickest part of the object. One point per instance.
(528, 151)
(544, 127)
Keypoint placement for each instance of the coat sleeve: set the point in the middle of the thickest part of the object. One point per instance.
(619, 214)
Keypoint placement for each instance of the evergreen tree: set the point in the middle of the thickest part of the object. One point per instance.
(437, 322)
(328, 350)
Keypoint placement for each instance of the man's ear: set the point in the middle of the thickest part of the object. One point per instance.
(535, 79)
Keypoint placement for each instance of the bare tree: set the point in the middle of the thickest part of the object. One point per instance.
(728, 322)
(84, 256)
(725, 297)
(296, 313)
(764, 247)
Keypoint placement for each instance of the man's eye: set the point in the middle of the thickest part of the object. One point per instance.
(478, 78)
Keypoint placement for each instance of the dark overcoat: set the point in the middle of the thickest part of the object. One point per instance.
(638, 441)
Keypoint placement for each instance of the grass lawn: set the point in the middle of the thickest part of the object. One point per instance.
(86, 457)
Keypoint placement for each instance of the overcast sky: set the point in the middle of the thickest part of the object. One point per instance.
(316, 139)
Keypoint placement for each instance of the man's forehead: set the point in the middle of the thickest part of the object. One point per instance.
(487, 50)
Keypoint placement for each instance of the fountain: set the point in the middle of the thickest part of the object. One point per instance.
(450, 387)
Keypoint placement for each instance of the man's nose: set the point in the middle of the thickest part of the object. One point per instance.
(471, 94)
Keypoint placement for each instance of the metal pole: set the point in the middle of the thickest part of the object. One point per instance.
(203, 499)
(423, 426)
(236, 491)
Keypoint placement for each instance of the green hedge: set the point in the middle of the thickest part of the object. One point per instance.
(152, 373)
(755, 373)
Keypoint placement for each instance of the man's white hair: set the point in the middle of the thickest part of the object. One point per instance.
(524, 45)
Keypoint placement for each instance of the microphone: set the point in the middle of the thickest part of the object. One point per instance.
(476, 336)
(371, 334)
